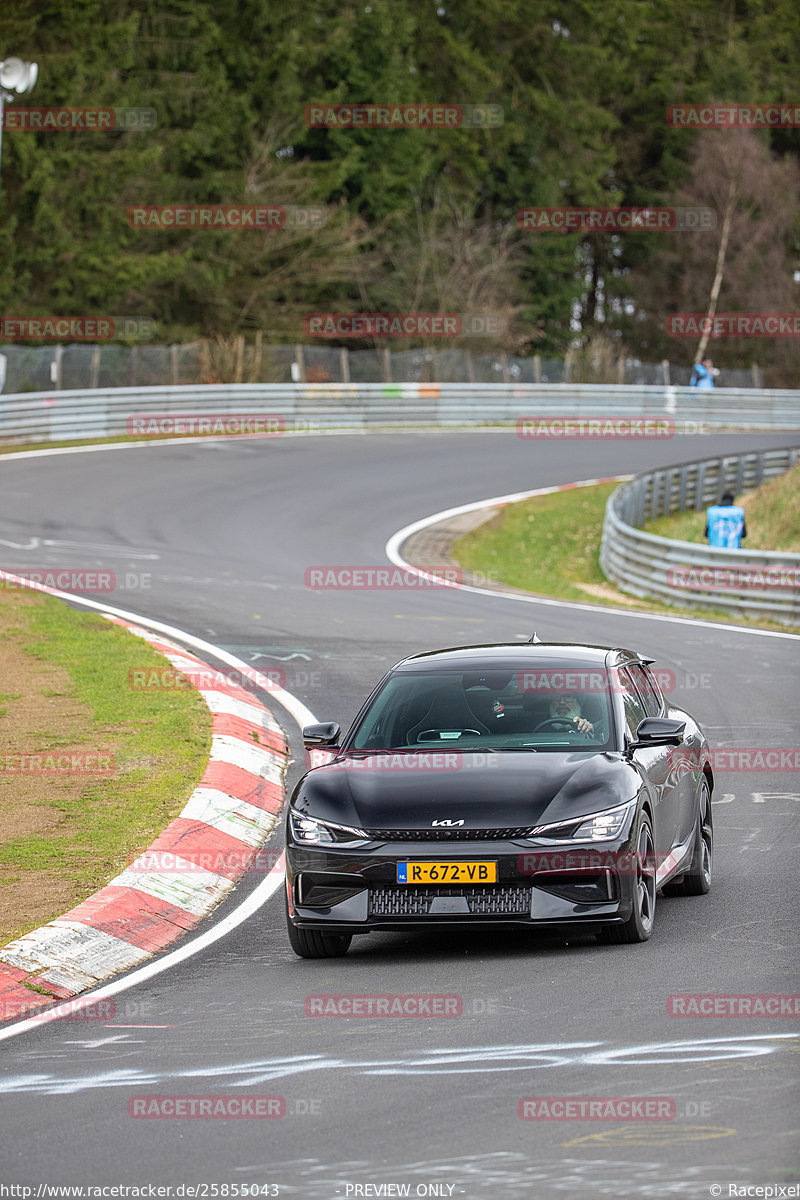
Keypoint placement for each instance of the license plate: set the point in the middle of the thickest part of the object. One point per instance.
(447, 872)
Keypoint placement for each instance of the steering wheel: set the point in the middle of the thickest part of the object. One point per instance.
(557, 723)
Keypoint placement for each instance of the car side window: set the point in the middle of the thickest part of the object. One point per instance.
(654, 684)
(646, 689)
(634, 709)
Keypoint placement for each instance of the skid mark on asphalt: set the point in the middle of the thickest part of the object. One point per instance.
(633, 1135)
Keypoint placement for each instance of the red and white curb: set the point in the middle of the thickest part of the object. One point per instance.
(187, 870)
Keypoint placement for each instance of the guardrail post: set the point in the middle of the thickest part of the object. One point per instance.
(344, 364)
(738, 487)
(700, 487)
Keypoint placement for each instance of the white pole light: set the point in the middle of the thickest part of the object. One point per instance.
(17, 77)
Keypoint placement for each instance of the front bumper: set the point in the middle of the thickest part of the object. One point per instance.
(356, 890)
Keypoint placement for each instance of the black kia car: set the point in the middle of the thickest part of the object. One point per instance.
(519, 784)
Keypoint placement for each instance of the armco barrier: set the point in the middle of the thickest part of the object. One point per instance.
(755, 582)
(71, 415)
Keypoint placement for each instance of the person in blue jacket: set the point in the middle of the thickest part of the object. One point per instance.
(703, 374)
(725, 524)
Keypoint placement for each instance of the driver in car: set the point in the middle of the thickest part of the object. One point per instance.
(567, 706)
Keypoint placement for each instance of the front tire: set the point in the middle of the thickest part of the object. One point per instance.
(697, 880)
(639, 924)
(315, 943)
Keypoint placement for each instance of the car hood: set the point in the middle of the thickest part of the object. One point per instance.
(484, 790)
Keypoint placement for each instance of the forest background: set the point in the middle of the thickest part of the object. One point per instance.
(416, 220)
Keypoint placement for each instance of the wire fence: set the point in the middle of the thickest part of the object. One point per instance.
(113, 365)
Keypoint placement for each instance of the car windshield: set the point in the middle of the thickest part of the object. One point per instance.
(517, 709)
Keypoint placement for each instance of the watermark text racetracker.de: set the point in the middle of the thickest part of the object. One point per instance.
(207, 217)
(229, 862)
(547, 681)
(208, 679)
(403, 116)
(401, 325)
(733, 579)
(737, 759)
(39, 1009)
(412, 1005)
(734, 325)
(352, 578)
(745, 1005)
(569, 219)
(207, 1107)
(731, 116)
(78, 120)
(93, 582)
(610, 427)
(624, 864)
(223, 424)
(85, 328)
(424, 761)
(52, 763)
(597, 1108)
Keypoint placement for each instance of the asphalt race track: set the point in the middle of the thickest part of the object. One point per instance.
(227, 530)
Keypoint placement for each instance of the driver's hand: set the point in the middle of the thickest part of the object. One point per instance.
(582, 725)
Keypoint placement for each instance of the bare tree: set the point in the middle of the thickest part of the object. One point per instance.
(447, 261)
(747, 262)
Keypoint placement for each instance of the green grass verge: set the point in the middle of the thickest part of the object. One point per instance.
(772, 512)
(160, 741)
(550, 545)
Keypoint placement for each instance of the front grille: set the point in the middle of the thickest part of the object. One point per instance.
(416, 901)
(447, 835)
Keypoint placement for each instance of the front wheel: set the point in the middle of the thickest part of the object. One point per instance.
(315, 943)
(639, 925)
(697, 880)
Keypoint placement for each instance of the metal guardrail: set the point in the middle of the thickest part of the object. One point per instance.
(69, 415)
(743, 582)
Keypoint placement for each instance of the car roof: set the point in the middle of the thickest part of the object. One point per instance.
(508, 655)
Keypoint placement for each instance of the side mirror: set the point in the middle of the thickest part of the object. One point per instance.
(658, 731)
(326, 734)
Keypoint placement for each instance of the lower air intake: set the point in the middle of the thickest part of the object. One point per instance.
(483, 902)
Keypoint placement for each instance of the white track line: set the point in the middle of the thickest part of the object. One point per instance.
(392, 551)
(259, 895)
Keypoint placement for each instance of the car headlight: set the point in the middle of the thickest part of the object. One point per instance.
(603, 826)
(308, 831)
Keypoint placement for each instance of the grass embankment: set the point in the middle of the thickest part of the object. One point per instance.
(550, 545)
(772, 513)
(66, 699)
